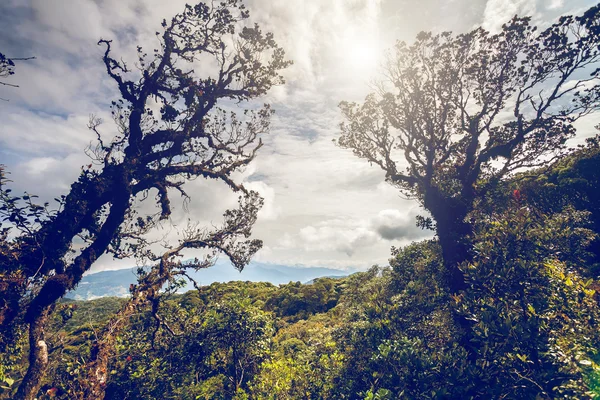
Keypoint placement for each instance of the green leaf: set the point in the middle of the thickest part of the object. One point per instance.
(522, 357)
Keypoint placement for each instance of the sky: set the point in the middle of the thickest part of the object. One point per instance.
(323, 206)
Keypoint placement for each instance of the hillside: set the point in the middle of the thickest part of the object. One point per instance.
(531, 310)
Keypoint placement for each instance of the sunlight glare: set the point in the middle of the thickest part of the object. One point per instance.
(361, 54)
(364, 56)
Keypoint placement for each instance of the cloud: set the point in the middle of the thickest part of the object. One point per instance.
(397, 225)
(554, 4)
(323, 206)
(269, 210)
(498, 12)
(34, 134)
(38, 165)
(47, 177)
(350, 236)
(337, 235)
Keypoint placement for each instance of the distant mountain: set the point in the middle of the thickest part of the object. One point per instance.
(116, 283)
(103, 284)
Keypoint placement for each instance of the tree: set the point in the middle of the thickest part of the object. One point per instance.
(466, 111)
(212, 351)
(153, 155)
(7, 68)
(238, 339)
(164, 276)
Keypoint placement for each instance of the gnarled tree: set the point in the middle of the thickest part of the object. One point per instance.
(237, 223)
(466, 111)
(170, 131)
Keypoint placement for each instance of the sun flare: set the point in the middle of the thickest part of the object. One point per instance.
(364, 55)
(361, 54)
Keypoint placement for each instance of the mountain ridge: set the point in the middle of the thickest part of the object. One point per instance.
(116, 282)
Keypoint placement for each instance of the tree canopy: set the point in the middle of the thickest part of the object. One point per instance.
(456, 114)
(173, 126)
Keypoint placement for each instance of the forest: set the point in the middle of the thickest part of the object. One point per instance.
(502, 303)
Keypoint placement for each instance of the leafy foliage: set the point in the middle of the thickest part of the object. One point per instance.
(385, 333)
(534, 319)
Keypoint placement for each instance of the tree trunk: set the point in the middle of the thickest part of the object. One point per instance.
(455, 243)
(454, 234)
(103, 348)
(38, 360)
(97, 366)
(57, 285)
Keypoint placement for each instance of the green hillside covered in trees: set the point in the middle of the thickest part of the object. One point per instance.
(386, 333)
(502, 303)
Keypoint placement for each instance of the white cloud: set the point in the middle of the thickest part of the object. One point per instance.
(48, 177)
(351, 236)
(37, 133)
(554, 4)
(269, 210)
(336, 235)
(323, 206)
(394, 224)
(498, 12)
(36, 166)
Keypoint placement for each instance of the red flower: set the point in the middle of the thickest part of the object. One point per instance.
(517, 194)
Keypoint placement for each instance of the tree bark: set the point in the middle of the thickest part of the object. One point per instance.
(454, 234)
(57, 285)
(454, 240)
(38, 360)
(102, 349)
(97, 366)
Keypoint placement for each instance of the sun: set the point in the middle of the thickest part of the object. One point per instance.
(364, 55)
(361, 54)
